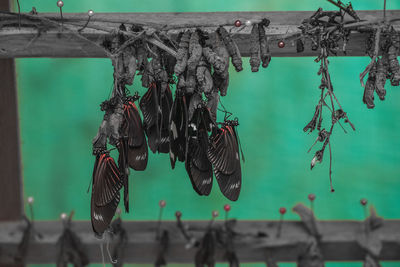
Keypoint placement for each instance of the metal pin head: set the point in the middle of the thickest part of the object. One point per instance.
(178, 214)
(227, 207)
(30, 200)
(364, 201)
(162, 203)
(282, 210)
(90, 13)
(63, 216)
(248, 23)
(215, 214)
(60, 3)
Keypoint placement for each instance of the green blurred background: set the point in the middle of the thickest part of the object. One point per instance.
(59, 115)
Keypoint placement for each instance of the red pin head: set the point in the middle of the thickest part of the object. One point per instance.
(282, 210)
(178, 214)
(238, 23)
(311, 197)
(227, 207)
(281, 44)
(363, 201)
(162, 203)
(215, 214)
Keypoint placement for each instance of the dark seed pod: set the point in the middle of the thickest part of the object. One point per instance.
(394, 66)
(195, 52)
(232, 48)
(299, 46)
(255, 49)
(380, 80)
(369, 89)
(182, 54)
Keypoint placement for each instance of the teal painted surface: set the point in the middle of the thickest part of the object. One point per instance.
(59, 115)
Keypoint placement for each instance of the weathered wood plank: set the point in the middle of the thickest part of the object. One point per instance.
(10, 178)
(54, 43)
(338, 241)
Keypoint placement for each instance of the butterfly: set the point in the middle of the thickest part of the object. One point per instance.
(105, 197)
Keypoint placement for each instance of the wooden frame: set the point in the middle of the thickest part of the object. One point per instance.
(338, 237)
(338, 243)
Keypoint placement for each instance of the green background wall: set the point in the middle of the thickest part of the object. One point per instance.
(59, 115)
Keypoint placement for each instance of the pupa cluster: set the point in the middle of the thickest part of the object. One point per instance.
(183, 125)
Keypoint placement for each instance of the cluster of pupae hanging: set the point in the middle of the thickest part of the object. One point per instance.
(384, 42)
(184, 126)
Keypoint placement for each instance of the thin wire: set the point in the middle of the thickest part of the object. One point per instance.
(62, 19)
(31, 210)
(108, 248)
(102, 254)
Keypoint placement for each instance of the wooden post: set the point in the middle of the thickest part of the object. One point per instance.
(11, 207)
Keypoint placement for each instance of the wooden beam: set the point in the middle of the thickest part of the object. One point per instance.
(10, 159)
(338, 241)
(67, 43)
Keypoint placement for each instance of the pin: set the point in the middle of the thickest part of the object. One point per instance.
(282, 211)
(238, 23)
(162, 204)
(311, 197)
(281, 44)
(60, 4)
(248, 23)
(90, 14)
(19, 15)
(227, 208)
(364, 203)
(30, 204)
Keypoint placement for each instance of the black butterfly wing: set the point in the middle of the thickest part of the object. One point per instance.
(197, 164)
(137, 150)
(105, 192)
(150, 107)
(123, 148)
(173, 132)
(165, 105)
(221, 152)
(228, 170)
(178, 126)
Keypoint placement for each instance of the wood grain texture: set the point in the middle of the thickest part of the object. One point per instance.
(10, 178)
(54, 43)
(338, 241)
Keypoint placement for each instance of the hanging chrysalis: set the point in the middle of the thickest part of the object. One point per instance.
(394, 66)
(380, 80)
(182, 54)
(221, 76)
(368, 97)
(195, 52)
(232, 48)
(255, 49)
(264, 47)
